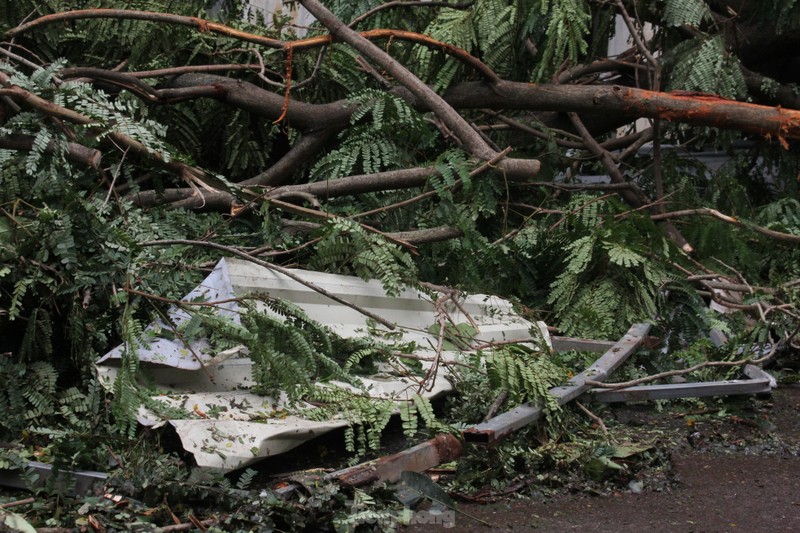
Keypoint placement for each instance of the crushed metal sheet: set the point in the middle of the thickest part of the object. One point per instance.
(225, 425)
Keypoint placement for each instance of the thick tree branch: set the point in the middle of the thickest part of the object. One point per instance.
(249, 97)
(695, 109)
(301, 152)
(770, 91)
(422, 236)
(688, 108)
(333, 188)
(77, 153)
(470, 138)
(191, 175)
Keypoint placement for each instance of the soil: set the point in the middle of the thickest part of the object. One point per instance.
(734, 468)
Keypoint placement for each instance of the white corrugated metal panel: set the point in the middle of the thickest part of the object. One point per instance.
(228, 426)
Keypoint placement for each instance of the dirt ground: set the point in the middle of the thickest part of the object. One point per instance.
(730, 473)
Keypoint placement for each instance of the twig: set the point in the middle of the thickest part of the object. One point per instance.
(496, 404)
(494, 344)
(197, 523)
(327, 216)
(285, 271)
(369, 69)
(634, 199)
(697, 412)
(705, 211)
(175, 331)
(429, 380)
(578, 210)
(413, 357)
(187, 525)
(453, 296)
(182, 303)
(214, 27)
(681, 372)
(597, 420)
(17, 503)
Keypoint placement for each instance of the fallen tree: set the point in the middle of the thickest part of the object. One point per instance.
(497, 146)
(394, 142)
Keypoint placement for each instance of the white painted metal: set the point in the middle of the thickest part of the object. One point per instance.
(226, 426)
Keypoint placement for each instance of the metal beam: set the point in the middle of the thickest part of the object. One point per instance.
(510, 421)
(681, 390)
(84, 479)
(441, 449)
(565, 344)
(760, 383)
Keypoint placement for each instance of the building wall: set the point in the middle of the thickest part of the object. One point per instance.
(267, 8)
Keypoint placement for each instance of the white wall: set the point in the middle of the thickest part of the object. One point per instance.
(267, 8)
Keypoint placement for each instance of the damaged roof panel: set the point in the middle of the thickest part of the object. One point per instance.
(205, 396)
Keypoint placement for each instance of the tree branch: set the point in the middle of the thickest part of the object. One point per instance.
(683, 371)
(695, 109)
(192, 175)
(689, 108)
(333, 188)
(77, 153)
(704, 211)
(634, 197)
(471, 140)
(203, 25)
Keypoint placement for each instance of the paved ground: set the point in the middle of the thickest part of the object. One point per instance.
(730, 474)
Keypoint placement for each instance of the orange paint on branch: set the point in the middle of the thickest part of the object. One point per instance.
(214, 27)
(287, 93)
(714, 111)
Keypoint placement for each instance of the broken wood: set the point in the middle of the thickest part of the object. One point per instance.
(510, 421)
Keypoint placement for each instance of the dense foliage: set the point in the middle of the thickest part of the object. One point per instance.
(118, 132)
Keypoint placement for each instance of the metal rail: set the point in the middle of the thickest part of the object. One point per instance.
(510, 421)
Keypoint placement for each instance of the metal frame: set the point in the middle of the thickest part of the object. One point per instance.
(510, 421)
(759, 382)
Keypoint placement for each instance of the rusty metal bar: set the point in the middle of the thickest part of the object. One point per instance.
(443, 448)
(510, 421)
